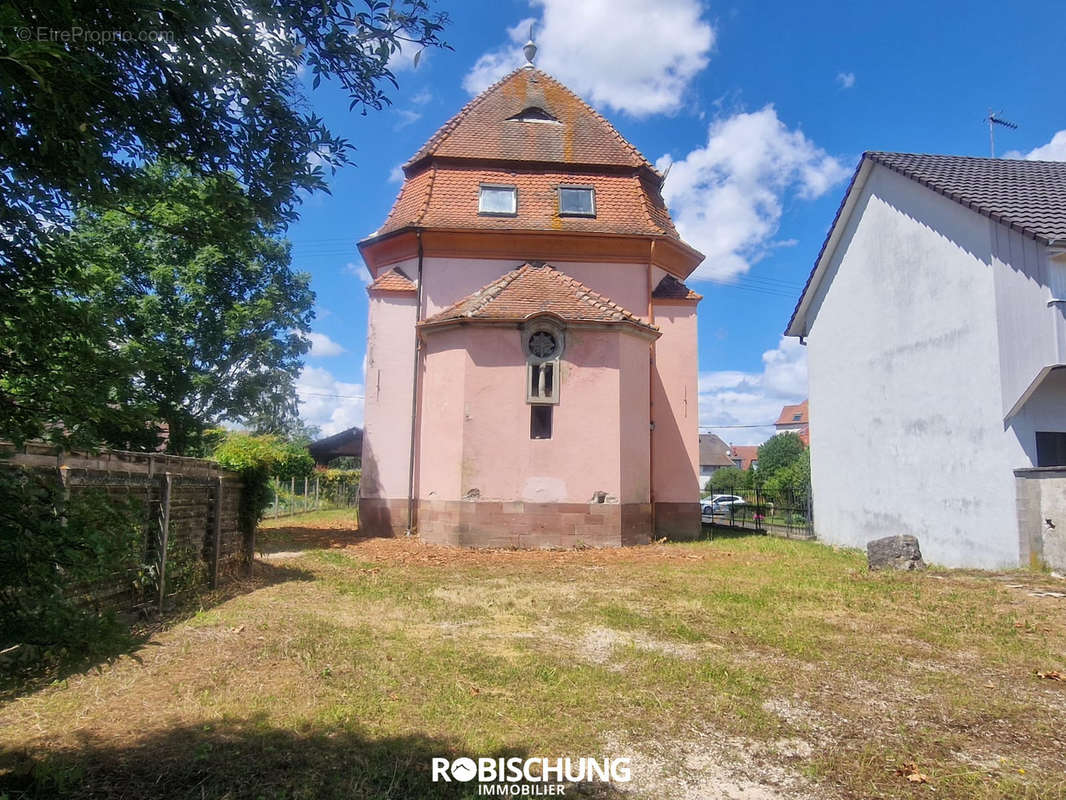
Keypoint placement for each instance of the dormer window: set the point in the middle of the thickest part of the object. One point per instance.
(532, 114)
(497, 200)
(577, 201)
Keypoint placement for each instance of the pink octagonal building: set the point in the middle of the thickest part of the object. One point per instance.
(532, 367)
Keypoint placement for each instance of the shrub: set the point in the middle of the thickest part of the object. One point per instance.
(258, 458)
(53, 550)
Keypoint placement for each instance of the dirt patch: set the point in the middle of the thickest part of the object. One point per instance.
(708, 765)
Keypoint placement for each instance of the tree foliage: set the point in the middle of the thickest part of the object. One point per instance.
(727, 480)
(211, 86)
(199, 309)
(778, 452)
(791, 483)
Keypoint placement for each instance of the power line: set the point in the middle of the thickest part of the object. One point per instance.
(764, 425)
(339, 396)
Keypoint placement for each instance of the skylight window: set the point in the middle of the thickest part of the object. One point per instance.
(577, 201)
(498, 200)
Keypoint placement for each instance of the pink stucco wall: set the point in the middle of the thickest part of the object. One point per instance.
(676, 405)
(487, 448)
(389, 383)
(450, 279)
(633, 397)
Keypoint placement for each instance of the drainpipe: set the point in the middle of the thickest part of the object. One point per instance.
(414, 398)
(651, 395)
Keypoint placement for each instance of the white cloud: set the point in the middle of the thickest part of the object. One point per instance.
(846, 79)
(323, 347)
(730, 397)
(330, 404)
(637, 56)
(407, 117)
(396, 174)
(1055, 150)
(422, 97)
(726, 198)
(360, 271)
(404, 57)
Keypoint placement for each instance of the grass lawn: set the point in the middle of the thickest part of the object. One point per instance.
(748, 667)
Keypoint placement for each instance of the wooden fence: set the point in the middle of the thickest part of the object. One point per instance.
(188, 503)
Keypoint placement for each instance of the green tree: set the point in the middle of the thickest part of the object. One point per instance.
(790, 484)
(778, 452)
(728, 480)
(211, 85)
(200, 309)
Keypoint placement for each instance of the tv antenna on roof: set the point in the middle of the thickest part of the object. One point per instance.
(994, 119)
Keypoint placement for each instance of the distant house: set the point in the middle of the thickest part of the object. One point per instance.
(794, 419)
(345, 443)
(936, 333)
(714, 455)
(744, 455)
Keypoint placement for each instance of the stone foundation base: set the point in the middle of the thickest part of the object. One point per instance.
(382, 517)
(533, 525)
(678, 521)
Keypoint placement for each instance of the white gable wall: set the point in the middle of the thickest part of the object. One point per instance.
(906, 407)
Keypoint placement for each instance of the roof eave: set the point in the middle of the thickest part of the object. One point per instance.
(640, 328)
(797, 325)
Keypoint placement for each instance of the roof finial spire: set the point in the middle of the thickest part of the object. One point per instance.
(530, 49)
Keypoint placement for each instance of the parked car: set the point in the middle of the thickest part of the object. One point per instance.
(720, 505)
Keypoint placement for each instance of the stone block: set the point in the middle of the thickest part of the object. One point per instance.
(894, 552)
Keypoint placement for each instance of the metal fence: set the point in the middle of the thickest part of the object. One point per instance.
(745, 507)
(313, 493)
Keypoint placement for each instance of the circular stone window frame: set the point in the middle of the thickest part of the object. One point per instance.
(543, 326)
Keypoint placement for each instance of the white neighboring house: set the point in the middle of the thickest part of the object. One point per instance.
(936, 334)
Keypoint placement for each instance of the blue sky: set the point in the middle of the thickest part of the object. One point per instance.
(762, 109)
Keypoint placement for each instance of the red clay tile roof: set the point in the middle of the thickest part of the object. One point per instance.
(392, 281)
(487, 142)
(670, 288)
(789, 414)
(485, 128)
(534, 289)
(746, 453)
(447, 197)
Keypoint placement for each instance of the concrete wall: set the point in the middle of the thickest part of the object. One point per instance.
(1042, 516)
(906, 400)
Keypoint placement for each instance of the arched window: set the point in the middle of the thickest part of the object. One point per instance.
(543, 344)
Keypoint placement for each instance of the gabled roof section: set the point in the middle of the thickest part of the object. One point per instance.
(713, 451)
(1027, 196)
(395, 280)
(670, 288)
(794, 415)
(537, 289)
(491, 127)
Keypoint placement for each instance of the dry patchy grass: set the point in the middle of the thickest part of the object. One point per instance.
(748, 667)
